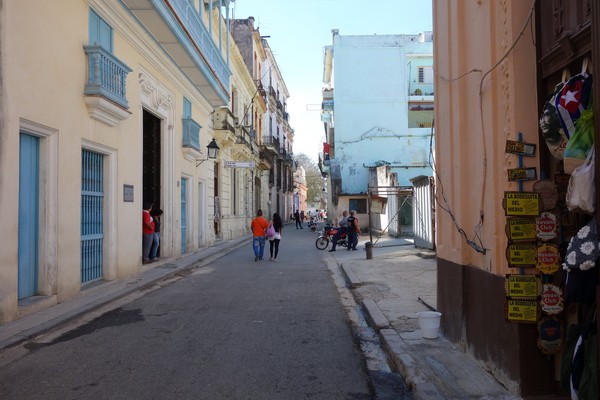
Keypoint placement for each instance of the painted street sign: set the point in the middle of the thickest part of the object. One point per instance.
(521, 310)
(521, 255)
(520, 148)
(522, 286)
(522, 174)
(522, 204)
(546, 227)
(550, 335)
(551, 299)
(239, 164)
(548, 259)
(521, 229)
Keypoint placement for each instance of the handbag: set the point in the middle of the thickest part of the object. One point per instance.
(581, 192)
(271, 231)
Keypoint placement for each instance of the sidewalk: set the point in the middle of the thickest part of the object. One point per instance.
(389, 288)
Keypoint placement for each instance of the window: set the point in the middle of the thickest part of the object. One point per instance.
(359, 205)
(191, 129)
(100, 32)
(425, 74)
(187, 108)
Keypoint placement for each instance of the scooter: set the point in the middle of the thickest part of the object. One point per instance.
(312, 224)
(326, 236)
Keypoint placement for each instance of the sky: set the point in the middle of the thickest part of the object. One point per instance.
(299, 29)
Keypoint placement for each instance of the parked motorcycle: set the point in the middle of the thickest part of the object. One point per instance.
(326, 236)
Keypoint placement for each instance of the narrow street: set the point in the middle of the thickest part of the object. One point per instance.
(235, 329)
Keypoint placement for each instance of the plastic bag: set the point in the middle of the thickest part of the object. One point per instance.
(271, 231)
(581, 192)
(580, 143)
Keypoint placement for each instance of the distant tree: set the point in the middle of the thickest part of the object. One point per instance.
(314, 180)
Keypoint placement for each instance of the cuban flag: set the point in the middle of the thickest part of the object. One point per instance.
(572, 100)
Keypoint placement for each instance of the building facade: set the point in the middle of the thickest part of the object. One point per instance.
(497, 65)
(116, 104)
(377, 110)
(275, 134)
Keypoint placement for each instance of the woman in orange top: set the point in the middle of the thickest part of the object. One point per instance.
(259, 227)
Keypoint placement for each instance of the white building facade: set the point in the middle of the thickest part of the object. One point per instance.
(377, 111)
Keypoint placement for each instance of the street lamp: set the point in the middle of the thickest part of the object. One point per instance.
(212, 150)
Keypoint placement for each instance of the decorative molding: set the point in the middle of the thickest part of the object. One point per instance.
(105, 111)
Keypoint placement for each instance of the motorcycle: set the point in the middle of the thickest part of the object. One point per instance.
(312, 224)
(326, 236)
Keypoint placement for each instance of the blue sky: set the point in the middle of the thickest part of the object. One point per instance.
(299, 29)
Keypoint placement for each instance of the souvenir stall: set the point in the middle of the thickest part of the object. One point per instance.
(554, 228)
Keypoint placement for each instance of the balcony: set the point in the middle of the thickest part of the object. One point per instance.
(105, 89)
(223, 119)
(271, 143)
(191, 134)
(177, 27)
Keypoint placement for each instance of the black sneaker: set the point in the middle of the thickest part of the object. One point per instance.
(331, 250)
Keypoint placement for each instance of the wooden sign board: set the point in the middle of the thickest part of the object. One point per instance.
(548, 259)
(522, 204)
(520, 148)
(521, 310)
(522, 174)
(522, 286)
(521, 255)
(521, 229)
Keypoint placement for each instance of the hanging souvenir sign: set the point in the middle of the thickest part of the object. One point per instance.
(522, 286)
(521, 255)
(548, 259)
(521, 229)
(546, 226)
(547, 190)
(520, 148)
(521, 204)
(551, 299)
(550, 335)
(521, 310)
(522, 174)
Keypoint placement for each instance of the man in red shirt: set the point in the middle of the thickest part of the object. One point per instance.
(259, 227)
(147, 233)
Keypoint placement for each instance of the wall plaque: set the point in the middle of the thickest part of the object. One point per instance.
(550, 335)
(128, 193)
(551, 299)
(548, 259)
(546, 226)
(521, 310)
(522, 286)
(520, 148)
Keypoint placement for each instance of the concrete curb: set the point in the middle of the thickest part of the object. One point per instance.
(374, 315)
(421, 387)
(351, 278)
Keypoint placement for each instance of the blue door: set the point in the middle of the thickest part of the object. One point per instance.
(29, 172)
(92, 215)
(183, 215)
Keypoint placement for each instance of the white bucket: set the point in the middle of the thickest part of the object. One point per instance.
(429, 321)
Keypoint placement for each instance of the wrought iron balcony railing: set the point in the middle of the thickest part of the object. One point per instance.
(191, 134)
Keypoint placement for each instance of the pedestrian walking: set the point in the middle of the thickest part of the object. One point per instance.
(342, 229)
(353, 230)
(274, 239)
(298, 221)
(259, 227)
(147, 232)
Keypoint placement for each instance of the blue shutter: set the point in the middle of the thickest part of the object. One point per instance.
(29, 168)
(100, 32)
(183, 215)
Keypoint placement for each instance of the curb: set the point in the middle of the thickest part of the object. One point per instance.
(351, 278)
(421, 387)
(374, 315)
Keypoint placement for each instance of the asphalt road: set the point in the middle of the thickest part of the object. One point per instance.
(234, 329)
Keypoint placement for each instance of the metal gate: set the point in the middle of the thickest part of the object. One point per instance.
(423, 212)
(92, 199)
